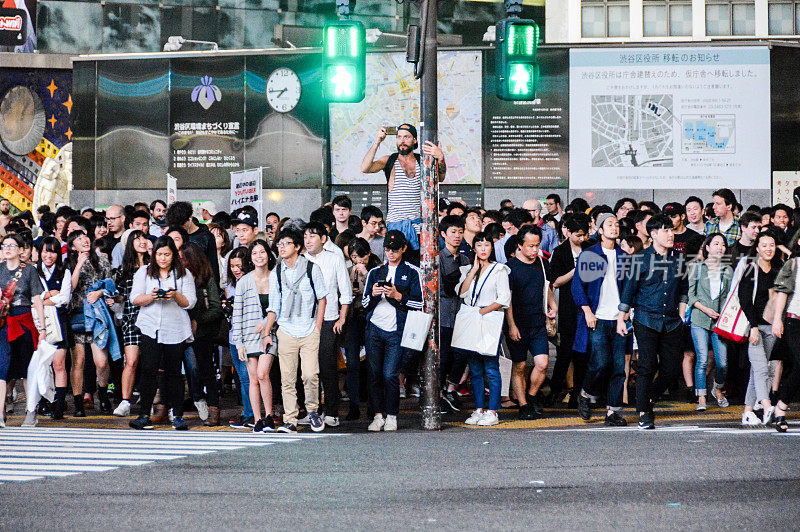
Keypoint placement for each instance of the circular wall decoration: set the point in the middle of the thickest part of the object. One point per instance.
(22, 120)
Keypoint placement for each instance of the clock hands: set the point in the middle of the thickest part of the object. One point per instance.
(280, 92)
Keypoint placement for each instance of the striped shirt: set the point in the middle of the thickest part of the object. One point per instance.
(405, 201)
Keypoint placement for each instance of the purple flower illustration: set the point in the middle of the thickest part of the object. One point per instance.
(206, 94)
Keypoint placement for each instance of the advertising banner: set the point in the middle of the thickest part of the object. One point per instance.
(246, 190)
(681, 118)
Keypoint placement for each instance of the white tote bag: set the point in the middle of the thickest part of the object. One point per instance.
(473, 332)
(52, 325)
(416, 329)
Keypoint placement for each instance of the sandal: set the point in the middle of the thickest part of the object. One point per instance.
(780, 424)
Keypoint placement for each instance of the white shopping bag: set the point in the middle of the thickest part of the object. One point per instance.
(41, 382)
(416, 329)
(480, 334)
(505, 372)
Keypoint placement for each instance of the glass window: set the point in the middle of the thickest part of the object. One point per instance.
(619, 21)
(718, 19)
(655, 22)
(680, 19)
(593, 21)
(667, 17)
(605, 18)
(744, 19)
(784, 18)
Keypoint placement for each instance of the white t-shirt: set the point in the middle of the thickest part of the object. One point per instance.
(714, 282)
(385, 316)
(609, 292)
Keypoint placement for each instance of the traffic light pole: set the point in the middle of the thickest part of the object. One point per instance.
(429, 238)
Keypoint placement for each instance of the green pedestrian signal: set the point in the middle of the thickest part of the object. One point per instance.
(515, 59)
(344, 61)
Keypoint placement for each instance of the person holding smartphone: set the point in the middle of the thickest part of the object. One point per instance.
(165, 291)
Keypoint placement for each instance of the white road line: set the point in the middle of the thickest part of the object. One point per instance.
(34, 453)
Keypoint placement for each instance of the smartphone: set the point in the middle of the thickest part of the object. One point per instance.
(628, 327)
(391, 130)
(384, 283)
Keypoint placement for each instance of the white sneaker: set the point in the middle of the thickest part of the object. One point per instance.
(489, 418)
(171, 416)
(769, 413)
(202, 409)
(415, 391)
(30, 419)
(475, 417)
(391, 423)
(123, 409)
(332, 421)
(2, 421)
(377, 423)
(402, 392)
(304, 421)
(749, 419)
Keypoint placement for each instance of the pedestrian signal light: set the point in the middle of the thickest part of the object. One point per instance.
(515, 57)
(344, 61)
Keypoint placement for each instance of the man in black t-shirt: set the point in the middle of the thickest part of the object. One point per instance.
(526, 319)
(687, 241)
(180, 214)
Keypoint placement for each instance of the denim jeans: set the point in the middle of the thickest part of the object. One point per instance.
(480, 366)
(192, 373)
(607, 351)
(244, 381)
(385, 357)
(701, 338)
(356, 330)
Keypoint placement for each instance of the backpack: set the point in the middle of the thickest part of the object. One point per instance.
(309, 268)
(387, 169)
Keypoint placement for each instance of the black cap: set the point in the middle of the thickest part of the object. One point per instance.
(245, 217)
(674, 209)
(408, 127)
(394, 240)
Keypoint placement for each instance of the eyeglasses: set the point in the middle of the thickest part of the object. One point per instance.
(113, 217)
(284, 244)
(9, 246)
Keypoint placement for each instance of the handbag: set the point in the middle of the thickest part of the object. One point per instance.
(475, 332)
(416, 329)
(732, 323)
(52, 325)
(7, 296)
(550, 323)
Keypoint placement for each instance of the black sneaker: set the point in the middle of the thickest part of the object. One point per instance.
(584, 407)
(287, 428)
(179, 424)
(647, 421)
(269, 424)
(615, 420)
(142, 423)
(452, 401)
(259, 426)
(105, 407)
(79, 412)
(241, 423)
(536, 405)
(526, 413)
(354, 414)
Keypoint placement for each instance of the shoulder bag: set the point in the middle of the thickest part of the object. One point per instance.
(475, 332)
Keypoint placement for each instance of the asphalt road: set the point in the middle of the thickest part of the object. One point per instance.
(459, 478)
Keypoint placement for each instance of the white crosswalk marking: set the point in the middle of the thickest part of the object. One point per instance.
(680, 428)
(38, 453)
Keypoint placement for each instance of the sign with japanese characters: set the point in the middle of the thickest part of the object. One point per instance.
(207, 120)
(246, 190)
(172, 190)
(679, 118)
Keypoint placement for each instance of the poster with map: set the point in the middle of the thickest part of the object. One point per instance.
(392, 98)
(684, 118)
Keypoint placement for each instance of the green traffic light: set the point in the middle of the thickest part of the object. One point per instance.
(522, 39)
(344, 61)
(340, 80)
(520, 79)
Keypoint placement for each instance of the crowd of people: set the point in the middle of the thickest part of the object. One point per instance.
(636, 301)
(151, 304)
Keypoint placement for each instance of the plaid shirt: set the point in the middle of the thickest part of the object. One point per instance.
(732, 234)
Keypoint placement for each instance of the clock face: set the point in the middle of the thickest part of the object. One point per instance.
(283, 90)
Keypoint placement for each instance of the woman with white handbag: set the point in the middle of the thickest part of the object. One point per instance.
(486, 294)
(57, 279)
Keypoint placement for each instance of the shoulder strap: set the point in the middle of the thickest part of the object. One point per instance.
(280, 282)
(389, 165)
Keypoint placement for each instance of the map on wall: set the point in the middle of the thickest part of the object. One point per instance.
(632, 130)
(393, 98)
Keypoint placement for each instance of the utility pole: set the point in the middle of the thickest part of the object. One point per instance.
(429, 238)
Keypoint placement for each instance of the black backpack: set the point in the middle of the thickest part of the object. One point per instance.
(309, 268)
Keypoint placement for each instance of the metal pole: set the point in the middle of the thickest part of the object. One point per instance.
(429, 241)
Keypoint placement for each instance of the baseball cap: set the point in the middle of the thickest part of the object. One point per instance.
(245, 218)
(408, 127)
(394, 240)
(674, 209)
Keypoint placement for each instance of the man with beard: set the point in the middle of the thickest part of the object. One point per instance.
(5, 213)
(403, 172)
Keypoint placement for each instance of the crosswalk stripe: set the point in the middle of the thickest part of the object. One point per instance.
(35, 453)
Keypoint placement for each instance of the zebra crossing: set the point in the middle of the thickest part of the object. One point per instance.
(36, 453)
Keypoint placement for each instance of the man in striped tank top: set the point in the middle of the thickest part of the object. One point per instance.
(404, 179)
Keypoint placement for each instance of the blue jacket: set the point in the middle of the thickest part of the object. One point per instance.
(99, 321)
(590, 270)
(407, 280)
